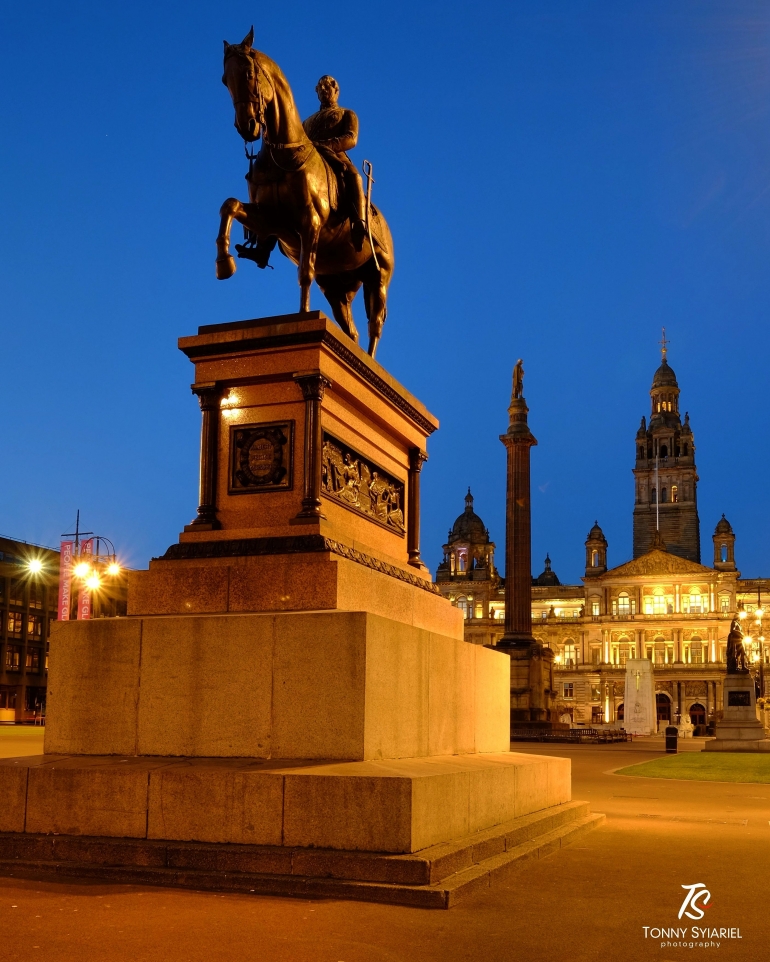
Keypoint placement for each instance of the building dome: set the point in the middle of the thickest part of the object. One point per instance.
(723, 526)
(548, 578)
(664, 376)
(469, 526)
(596, 533)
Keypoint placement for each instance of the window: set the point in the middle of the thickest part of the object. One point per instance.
(624, 604)
(596, 714)
(13, 657)
(723, 553)
(696, 652)
(570, 654)
(33, 659)
(35, 595)
(595, 608)
(624, 653)
(663, 495)
(17, 593)
(596, 693)
(479, 610)
(14, 623)
(595, 656)
(724, 603)
(461, 561)
(663, 454)
(659, 606)
(594, 559)
(695, 603)
(686, 449)
(35, 628)
(464, 606)
(568, 689)
(674, 493)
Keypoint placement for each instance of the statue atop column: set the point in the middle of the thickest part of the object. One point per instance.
(518, 380)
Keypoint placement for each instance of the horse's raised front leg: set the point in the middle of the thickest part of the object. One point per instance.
(307, 257)
(231, 210)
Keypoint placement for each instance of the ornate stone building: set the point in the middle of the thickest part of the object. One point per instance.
(663, 604)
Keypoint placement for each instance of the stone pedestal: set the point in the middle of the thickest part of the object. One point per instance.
(639, 710)
(288, 675)
(740, 729)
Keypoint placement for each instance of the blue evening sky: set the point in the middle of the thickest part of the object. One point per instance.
(561, 178)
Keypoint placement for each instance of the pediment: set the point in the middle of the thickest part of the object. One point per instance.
(657, 562)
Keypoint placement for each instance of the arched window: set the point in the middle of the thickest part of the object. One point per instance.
(654, 496)
(624, 604)
(674, 493)
(723, 553)
(461, 561)
(663, 451)
(694, 602)
(659, 602)
(594, 559)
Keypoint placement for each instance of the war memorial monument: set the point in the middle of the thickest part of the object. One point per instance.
(289, 706)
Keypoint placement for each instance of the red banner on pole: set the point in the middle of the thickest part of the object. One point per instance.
(65, 580)
(86, 552)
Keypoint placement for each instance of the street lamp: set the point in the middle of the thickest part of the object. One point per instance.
(755, 644)
(93, 559)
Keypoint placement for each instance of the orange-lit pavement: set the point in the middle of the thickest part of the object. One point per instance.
(586, 902)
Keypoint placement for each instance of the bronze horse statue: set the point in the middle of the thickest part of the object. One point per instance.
(292, 199)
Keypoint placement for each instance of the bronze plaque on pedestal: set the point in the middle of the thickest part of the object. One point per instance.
(359, 484)
(261, 457)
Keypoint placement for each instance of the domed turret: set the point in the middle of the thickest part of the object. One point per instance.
(468, 549)
(469, 526)
(596, 552)
(548, 578)
(664, 377)
(723, 526)
(724, 546)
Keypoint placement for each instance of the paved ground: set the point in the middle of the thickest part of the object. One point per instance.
(588, 902)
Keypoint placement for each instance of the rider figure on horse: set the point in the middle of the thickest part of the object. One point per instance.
(334, 130)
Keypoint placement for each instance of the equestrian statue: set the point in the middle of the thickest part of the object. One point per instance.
(305, 193)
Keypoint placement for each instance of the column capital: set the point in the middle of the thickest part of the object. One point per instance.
(313, 384)
(208, 394)
(417, 457)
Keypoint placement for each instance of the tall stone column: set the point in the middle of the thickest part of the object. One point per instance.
(531, 663)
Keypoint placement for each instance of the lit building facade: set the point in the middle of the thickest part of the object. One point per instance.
(663, 604)
(29, 596)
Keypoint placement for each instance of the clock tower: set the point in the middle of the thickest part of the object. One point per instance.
(666, 480)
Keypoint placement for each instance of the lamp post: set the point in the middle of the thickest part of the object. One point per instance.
(755, 643)
(93, 560)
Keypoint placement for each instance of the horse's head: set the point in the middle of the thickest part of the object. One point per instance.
(249, 86)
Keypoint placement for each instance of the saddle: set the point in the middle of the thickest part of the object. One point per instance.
(273, 161)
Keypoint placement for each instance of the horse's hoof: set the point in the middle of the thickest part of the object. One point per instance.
(225, 267)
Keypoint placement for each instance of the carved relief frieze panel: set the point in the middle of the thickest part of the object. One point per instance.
(362, 486)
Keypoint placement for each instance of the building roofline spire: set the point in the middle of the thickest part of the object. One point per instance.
(664, 346)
